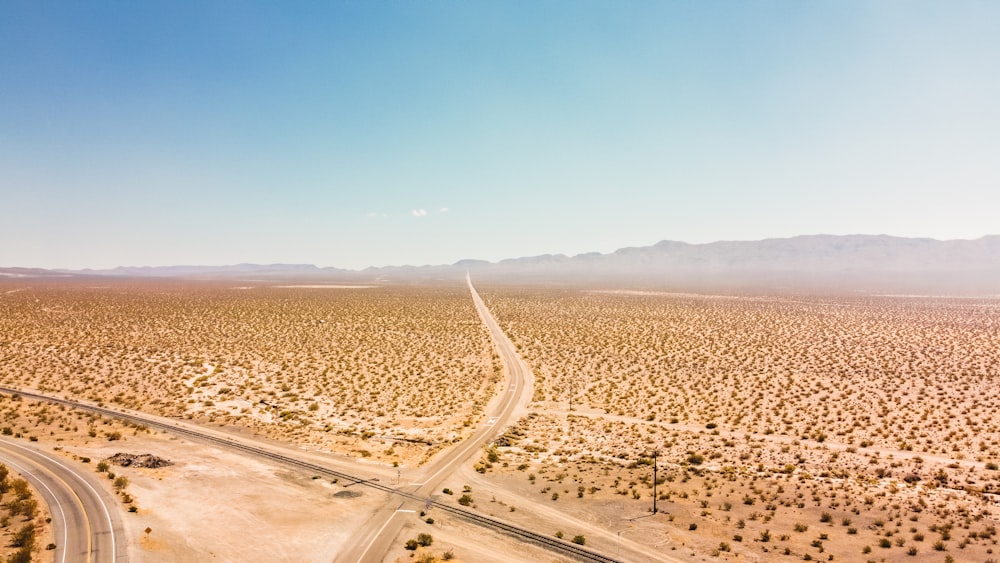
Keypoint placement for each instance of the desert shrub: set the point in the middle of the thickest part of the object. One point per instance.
(24, 537)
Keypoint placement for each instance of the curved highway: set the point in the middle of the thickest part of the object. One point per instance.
(86, 528)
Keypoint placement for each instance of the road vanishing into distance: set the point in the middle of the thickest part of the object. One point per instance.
(87, 528)
(385, 525)
(90, 529)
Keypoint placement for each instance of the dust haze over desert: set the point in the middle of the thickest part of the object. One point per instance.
(499, 282)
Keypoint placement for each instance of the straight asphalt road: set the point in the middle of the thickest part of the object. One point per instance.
(386, 524)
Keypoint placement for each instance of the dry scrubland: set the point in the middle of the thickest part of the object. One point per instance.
(390, 373)
(24, 520)
(812, 428)
(851, 429)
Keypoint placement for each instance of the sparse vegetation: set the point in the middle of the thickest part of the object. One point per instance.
(768, 412)
(346, 370)
(25, 520)
(813, 426)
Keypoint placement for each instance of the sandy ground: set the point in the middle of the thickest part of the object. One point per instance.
(806, 428)
(211, 503)
(216, 504)
(387, 373)
(798, 429)
(44, 532)
(467, 543)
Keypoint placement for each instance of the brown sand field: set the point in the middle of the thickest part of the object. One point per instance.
(861, 428)
(806, 428)
(393, 374)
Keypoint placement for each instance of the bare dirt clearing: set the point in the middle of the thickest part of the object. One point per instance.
(209, 502)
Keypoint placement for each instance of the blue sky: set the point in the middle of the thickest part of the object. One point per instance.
(359, 133)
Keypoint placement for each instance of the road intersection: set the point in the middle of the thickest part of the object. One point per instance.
(385, 525)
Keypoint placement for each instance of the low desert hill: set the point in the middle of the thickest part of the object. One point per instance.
(855, 263)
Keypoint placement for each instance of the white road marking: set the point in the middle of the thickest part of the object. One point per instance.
(111, 525)
(41, 482)
(376, 536)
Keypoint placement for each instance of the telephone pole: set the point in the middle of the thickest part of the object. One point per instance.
(655, 453)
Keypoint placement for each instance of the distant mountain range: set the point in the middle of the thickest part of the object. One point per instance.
(871, 263)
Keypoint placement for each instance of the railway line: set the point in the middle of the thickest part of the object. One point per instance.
(554, 544)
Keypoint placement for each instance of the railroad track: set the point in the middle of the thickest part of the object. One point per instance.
(548, 542)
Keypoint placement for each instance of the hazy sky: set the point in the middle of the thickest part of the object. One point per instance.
(362, 133)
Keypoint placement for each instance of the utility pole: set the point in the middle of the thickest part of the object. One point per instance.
(655, 453)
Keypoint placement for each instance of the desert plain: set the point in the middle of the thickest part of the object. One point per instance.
(781, 427)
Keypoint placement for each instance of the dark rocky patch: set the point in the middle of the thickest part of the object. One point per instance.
(138, 460)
